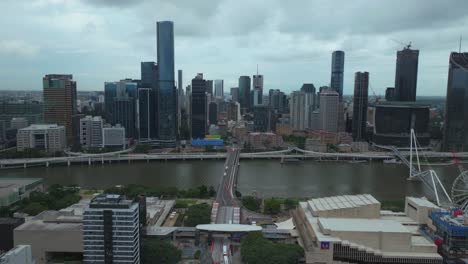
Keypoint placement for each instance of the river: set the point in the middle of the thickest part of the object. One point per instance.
(262, 177)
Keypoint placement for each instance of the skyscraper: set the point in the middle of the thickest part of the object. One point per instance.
(219, 88)
(213, 113)
(361, 88)
(111, 232)
(199, 105)
(244, 93)
(337, 69)
(329, 101)
(456, 114)
(148, 104)
(209, 87)
(167, 97)
(124, 105)
(389, 94)
(59, 92)
(309, 90)
(297, 110)
(261, 118)
(257, 82)
(235, 94)
(91, 132)
(406, 76)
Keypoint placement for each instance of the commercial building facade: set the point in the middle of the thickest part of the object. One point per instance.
(337, 69)
(244, 93)
(199, 107)
(91, 132)
(360, 103)
(456, 113)
(111, 232)
(50, 138)
(406, 76)
(329, 110)
(59, 93)
(113, 136)
(167, 97)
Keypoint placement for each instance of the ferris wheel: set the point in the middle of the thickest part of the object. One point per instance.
(460, 191)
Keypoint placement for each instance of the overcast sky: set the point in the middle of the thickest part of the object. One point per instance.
(291, 41)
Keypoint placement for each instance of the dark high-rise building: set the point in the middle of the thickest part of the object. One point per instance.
(60, 102)
(390, 94)
(148, 105)
(406, 76)
(144, 113)
(209, 87)
(244, 92)
(337, 69)
(360, 101)
(110, 92)
(111, 232)
(257, 83)
(235, 94)
(31, 110)
(124, 105)
(198, 111)
(167, 97)
(261, 117)
(309, 88)
(456, 114)
(213, 113)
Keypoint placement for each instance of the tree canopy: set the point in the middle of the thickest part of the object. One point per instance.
(158, 251)
(255, 249)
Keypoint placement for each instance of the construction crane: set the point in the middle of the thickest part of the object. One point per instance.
(377, 97)
(406, 46)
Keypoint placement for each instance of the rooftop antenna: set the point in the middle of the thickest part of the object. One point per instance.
(257, 69)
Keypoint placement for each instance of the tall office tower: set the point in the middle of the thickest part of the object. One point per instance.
(144, 114)
(456, 114)
(219, 88)
(310, 105)
(389, 94)
(257, 82)
(297, 110)
(261, 118)
(337, 69)
(329, 102)
(111, 232)
(124, 106)
(181, 90)
(167, 97)
(244, 93)
(180, 100)
(91, 132)
(361, 88)
(406, 76)
(148, 104)
(110, 92)
(60, 102)
(213, 113)
(232, 111)
(209, 87)
(257, 97)
(198, 111)
(235, 94)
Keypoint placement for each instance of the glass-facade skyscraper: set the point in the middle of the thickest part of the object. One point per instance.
(167, 99)
(244, 92)
(148, 101)
(456, 114)
(337, 69)
(361, 90)
(198, 107)
(406, 76)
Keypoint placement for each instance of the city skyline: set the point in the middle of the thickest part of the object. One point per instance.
(298, 46)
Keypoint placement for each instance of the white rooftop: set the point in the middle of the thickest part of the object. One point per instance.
(422, 202)
(361, 225)
(341, 202)
(229, 228)
(41, 127)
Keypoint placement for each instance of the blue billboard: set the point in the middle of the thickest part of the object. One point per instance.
(207, 142)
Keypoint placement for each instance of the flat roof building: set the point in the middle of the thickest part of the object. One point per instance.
(13, 190)
(47, 137)
(354, 229)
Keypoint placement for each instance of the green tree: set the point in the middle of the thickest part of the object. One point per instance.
(271, 206)
(212, 191)
(251, 203)
(203, 191)
(158, 251)
(290, 203)
(34, 208)
(142, 148)
(198, 214)
(255, 249)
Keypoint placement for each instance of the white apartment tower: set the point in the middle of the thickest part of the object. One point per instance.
(91, 132)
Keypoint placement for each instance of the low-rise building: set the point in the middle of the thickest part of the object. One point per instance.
(113, 136)
(52, 235)
(264, 141)
(48, 137)
(314, 144)
(18, 122)
(7, 225)
(21, 254)
(283, 129)
(91, 132)
(353, 229)
(360, 146)
(13, 190)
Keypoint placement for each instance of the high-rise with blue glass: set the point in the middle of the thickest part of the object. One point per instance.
(337, 69)
(167, 98)
(148, 101)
